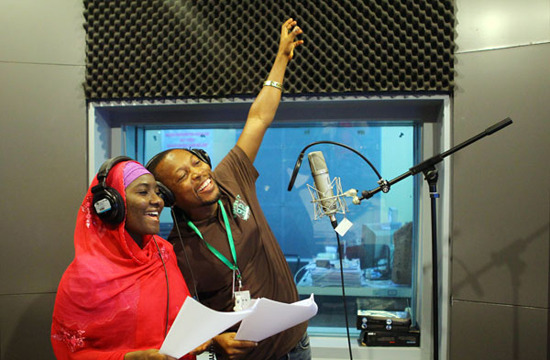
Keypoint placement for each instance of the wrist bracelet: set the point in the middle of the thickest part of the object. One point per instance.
(275, 84)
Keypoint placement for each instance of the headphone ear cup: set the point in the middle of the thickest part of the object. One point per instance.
(109, 205)
(202, 155)
(166, 194)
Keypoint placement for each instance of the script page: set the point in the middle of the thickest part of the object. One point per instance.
(196, 324)
(271, 317)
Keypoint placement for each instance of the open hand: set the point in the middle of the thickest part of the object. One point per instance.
(289, 31)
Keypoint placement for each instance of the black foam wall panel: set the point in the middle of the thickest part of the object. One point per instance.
(156, 49)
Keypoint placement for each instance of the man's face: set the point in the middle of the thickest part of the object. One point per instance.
(189, 179)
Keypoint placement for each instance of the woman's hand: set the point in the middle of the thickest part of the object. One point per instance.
(288, 42)
(232, 349)
(151, 354)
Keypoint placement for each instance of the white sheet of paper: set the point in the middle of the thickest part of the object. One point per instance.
(196, 324)
(270, 317)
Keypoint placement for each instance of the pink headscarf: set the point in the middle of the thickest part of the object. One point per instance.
(112, 298)
(132, 171)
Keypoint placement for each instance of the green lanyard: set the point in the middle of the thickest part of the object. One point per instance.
(218, 254)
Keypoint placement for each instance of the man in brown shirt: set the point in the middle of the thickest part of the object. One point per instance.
(229, 246)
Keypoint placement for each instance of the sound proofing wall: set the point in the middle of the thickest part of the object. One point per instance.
(154, 49)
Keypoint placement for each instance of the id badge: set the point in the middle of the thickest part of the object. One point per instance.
(242, 300)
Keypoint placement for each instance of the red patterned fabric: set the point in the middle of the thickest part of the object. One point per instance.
(112, 298)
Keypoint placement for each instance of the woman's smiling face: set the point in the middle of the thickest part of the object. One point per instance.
(143, 207)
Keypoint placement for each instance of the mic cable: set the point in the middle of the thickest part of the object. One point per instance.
(340, 255)
(167, 287)
(301, 156)
(175, 220)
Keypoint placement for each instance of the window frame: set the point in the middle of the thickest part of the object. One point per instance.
(108, 121)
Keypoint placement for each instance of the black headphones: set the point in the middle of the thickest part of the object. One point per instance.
(107, 202)
(202, 155)
(165, 192)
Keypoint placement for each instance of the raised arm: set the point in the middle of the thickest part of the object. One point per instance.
(264, 107)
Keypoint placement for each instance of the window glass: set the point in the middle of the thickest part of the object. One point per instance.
(379, 266)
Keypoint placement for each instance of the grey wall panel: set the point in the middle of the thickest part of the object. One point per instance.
(42, 31)
(491, 331)
(25, 326)
(490, 24)
(501, 185)
(43, 157)
(42, 162)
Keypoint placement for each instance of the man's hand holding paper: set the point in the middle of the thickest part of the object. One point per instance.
(196, 323)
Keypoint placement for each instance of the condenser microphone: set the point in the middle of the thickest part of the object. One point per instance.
(319, 171)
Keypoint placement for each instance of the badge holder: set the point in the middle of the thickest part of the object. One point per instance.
(241, 297)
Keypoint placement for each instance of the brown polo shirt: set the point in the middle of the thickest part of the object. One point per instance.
(264, 269)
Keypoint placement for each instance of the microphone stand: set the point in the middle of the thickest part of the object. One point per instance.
(427, 167)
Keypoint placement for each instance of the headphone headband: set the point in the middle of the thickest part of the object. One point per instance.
(104, 169)
(200, 153)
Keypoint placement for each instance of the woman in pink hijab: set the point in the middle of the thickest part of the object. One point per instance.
(121, 293)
